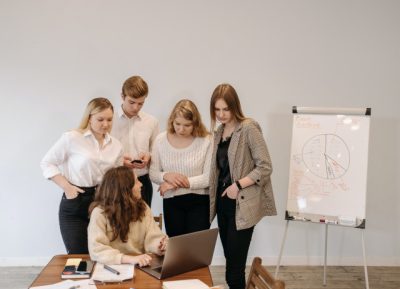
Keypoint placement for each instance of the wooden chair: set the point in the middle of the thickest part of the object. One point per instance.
(260, 278)
(158, 220)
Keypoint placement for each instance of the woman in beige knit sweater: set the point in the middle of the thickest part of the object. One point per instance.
(180, 165)
(122, 229)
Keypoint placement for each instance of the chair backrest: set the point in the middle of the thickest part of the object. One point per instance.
(158, 220)
(260, 278)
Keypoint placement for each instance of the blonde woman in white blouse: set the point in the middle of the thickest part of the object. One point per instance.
(180, 165)
(77, 163)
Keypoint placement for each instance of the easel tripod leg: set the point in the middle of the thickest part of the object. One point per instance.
(365, 261)
(326, 250)
(281, 250)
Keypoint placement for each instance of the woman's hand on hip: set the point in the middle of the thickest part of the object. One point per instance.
(71, 192)
(232, 192)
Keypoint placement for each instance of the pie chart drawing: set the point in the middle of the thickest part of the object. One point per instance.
(326, 156)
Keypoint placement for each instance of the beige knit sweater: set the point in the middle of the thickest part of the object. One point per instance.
(193, 161)
(143, 237)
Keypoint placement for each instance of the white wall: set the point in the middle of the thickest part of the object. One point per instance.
(57, 55)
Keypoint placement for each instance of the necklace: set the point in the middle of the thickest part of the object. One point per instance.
(227, 133)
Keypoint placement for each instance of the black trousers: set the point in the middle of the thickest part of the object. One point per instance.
(73, 216)
(186, 214)
(147, 189)
(235, 242)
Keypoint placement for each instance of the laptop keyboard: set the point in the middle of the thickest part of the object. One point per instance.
(156, 263)
(157, 269)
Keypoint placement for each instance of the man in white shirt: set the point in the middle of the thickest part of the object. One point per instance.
(136, 130)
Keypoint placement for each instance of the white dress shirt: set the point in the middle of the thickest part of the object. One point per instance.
(80, 159)
(193, 161)
(136, 134)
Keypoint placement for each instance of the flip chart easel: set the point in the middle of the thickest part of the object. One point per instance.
(328, 171)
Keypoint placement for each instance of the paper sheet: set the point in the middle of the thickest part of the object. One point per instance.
(185, 284)
(68, 284)
(126, 271)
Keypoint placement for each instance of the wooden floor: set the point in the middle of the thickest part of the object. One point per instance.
(296, 277)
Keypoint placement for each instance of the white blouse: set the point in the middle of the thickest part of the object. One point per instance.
(80, 159)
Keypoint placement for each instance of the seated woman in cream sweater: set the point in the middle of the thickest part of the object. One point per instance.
(122, 229)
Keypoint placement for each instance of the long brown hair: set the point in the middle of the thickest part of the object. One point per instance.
(188, 110)
(116, 198)
(226, 92)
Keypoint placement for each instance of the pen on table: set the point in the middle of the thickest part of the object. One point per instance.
(112, 270)
(74, 287)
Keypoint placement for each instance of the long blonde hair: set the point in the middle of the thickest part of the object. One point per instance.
(94, 106)
(188, 110)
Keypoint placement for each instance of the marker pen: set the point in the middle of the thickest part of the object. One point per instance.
(330, 221)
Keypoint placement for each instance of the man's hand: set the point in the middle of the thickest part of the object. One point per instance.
(128, 162)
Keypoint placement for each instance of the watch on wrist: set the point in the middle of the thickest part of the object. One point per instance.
(238, 185)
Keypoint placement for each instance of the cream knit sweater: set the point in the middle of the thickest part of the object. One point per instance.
(193, 162)
(143, 237)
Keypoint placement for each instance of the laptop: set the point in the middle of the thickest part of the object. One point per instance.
(184, 253)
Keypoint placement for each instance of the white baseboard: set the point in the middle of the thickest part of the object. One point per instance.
(316, 261)
(24, 261)
(220, 260)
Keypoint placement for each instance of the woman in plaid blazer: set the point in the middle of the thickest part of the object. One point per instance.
(240, 185)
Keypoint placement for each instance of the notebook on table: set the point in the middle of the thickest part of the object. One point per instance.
(125, 272)
(184, 253)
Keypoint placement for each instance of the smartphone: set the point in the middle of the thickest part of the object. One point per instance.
(137, 161)
(69, 269)
(85, 267)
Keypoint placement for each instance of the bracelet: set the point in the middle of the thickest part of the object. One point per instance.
(238, 185)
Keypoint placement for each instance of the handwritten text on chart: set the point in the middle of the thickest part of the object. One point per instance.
(306, 122)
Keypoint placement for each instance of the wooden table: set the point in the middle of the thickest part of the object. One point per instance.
(52, 274)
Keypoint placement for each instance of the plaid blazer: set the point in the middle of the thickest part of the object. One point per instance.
(248, 156)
